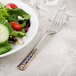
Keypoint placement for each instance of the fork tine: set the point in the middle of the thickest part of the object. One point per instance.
(57, 22)
(54, 22)
(60, 23)
(55, 19)
(58, 18)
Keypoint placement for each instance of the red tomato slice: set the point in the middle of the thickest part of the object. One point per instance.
(11, 5)
(15, 26)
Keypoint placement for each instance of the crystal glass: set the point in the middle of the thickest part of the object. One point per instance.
(52, 5)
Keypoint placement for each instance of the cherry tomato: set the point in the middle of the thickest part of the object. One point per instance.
(11, 5)
(15, 26)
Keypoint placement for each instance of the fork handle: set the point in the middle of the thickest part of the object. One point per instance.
(27, 60)
(30, 56)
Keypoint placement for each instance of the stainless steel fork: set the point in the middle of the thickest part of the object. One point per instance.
(55, 26)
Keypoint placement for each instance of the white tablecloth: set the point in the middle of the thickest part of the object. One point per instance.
(57, 55)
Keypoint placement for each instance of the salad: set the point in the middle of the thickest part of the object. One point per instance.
(14, 23)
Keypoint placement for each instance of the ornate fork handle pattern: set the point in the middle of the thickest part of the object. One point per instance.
(27, 60)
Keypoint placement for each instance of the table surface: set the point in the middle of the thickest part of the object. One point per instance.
(56, 56)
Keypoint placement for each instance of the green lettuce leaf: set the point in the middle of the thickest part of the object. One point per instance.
(1, 5)
(5, 48)
(3, 12)
(18, 33)
(23, 24)
(4, 43)
(15, 12)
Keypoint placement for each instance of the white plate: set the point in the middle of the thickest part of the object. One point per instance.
(32, 31)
